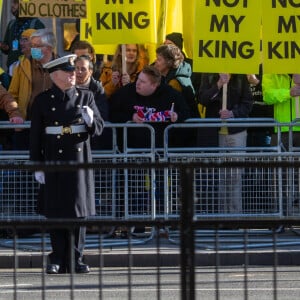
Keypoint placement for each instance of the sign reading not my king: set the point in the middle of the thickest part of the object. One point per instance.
(123, 21)
(66, 9)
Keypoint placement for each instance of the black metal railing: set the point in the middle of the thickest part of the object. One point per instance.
(25, 244)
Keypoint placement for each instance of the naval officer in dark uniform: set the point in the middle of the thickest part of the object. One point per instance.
(63, 119)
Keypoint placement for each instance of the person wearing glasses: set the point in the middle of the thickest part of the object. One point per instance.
(29, 79)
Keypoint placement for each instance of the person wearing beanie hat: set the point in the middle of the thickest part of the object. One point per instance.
(174, 38)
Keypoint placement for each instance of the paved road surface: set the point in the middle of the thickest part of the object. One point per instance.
(144, 281)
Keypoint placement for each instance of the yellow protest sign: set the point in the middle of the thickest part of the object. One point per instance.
(281, 31)
(67, 9)
(86, 34)
(226, 36)
(188, 25)
(123, 21)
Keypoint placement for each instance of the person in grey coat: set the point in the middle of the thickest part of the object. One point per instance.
(63, 119)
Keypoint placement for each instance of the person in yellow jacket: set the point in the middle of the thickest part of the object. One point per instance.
(280, 90)
(277, 92)
(30, 79)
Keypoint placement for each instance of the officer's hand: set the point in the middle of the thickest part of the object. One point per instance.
(39, 177)
(88, 115)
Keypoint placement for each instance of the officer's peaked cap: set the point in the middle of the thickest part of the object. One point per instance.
(65, 63)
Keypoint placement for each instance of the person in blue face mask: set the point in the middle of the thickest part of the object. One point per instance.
(10, 45)
(30, 79)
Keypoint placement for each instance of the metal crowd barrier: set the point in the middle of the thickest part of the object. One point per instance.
(154, 193)
(181, 210)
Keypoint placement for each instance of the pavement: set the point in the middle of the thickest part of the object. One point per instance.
(235, 248)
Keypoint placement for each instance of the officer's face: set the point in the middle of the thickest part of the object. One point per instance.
(64, 79)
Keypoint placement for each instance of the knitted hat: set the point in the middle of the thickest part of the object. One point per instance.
(176, 38)
(28, 32)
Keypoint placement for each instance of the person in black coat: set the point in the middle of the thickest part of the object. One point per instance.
(148, 100)
(85, 80)
(63, 119)
(239, 104)
(150, 96)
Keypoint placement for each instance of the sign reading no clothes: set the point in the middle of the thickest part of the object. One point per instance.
(66, 9)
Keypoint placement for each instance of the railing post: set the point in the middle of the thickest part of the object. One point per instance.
(187, 234)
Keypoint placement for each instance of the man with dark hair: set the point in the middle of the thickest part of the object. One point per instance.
(80, 48)
(148, 100)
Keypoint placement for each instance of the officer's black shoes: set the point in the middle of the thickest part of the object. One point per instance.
(81, 268)
(52, 269)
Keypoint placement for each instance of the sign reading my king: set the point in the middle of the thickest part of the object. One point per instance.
(67, 9)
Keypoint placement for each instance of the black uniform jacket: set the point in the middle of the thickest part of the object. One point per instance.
(122, 109)
(65, 194)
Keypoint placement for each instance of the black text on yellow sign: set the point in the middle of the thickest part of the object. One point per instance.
(48, 9)
(290, 24)
(226, 23)
(121, 20)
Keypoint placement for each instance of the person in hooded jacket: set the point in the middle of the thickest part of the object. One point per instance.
(177, 73)
(176, 39)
